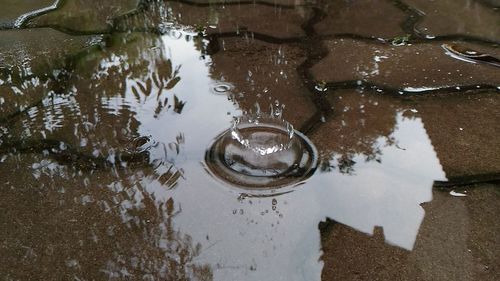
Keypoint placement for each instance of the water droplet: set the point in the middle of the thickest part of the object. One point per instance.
(262, 150)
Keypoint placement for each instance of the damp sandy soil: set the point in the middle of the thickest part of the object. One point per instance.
(109, 113)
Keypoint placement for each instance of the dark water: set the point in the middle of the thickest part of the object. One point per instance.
(107, 112)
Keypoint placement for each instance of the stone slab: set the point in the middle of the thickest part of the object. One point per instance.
(13, 9)
(263, 19)
(464, 131)
(412, 68)
(85, 16)
(457, 17)
(368, 18)
(263, 73)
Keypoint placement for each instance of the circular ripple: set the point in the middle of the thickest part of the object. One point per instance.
(271, 160)
(222, 88)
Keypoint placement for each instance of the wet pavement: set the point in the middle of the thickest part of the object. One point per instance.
(108, 111)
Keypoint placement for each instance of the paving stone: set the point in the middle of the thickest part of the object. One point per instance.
(454, 231)
(28, 58)
(13, 9)
(263, 19)
(464, 130)
(275, 2)
(262, 73)
(413, 67)
(492, 3)
(369, 18)
(85, 16)
(457, 17)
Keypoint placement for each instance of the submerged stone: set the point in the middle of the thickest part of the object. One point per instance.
(412, 68)
(85, 16)
(457, 17)
(465, 131)
(369, 18)
(263, 73)
(13, 9)
(281, 23)
(492, 3)
(270, 2)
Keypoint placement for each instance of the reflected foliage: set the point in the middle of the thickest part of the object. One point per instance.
(116, 227)
(363, 123)
(93, 123)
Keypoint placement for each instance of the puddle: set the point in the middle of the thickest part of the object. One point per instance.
(142, 160)
(120, 105)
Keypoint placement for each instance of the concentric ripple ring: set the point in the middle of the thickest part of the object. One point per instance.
(227, 160)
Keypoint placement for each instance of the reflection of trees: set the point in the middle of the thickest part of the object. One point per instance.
(168, 254)
(92, 224)
(362, 124)
(94, 117)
